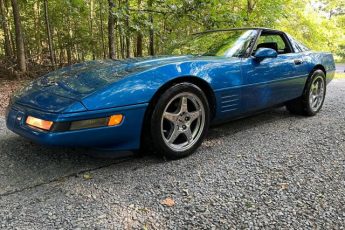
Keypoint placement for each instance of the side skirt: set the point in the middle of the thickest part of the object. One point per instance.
(216, 123)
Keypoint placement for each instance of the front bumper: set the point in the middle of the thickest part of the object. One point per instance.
(123, 137)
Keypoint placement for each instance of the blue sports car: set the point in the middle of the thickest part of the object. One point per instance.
(168, 102)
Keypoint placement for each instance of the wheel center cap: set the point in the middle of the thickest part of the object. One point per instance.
(183, 118)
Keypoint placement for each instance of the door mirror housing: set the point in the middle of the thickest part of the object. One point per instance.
(264, 53)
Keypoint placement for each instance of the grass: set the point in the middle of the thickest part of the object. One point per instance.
(339, 76)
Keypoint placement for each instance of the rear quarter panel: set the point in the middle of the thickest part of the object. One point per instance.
(321, 58)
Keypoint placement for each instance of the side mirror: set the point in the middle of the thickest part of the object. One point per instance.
(263, 53)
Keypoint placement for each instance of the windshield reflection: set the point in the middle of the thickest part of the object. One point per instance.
(230, 43)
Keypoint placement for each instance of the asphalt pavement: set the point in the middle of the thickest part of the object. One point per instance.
(273, 170)
(340, 68)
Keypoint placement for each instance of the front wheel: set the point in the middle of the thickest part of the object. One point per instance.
(180, 121)
(310, 103)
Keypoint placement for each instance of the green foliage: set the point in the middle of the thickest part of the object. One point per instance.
(314, 27)
(79, 27)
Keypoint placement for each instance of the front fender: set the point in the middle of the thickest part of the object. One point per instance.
(138, 88)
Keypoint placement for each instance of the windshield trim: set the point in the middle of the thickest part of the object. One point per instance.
(241, 28)
(222, 30)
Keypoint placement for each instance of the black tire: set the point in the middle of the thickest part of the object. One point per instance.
(157, 132)
(302, 105)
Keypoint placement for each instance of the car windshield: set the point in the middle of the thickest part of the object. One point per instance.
(231, 43)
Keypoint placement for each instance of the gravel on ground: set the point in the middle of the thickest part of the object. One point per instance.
(273, 170)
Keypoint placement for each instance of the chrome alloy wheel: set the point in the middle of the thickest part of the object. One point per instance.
(183, 121)
(317, 93)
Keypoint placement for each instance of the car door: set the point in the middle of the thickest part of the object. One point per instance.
(273, 80)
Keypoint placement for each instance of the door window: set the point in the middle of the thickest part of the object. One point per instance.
(274, 41)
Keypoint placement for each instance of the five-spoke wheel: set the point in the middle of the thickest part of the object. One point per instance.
(180, 120)
(316, 93)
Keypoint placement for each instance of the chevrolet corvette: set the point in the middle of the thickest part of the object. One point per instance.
(168, 102)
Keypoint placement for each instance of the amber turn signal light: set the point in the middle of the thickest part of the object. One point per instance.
(97, 122)
(115, 120)
(39, 123)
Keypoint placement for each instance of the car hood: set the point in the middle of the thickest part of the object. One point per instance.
(64, 89)
(83, 79)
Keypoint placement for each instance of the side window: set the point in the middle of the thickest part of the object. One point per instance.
(297, 46)
(273, 41)
(302, 47)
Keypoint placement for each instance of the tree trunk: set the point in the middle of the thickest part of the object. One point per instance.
(102, 29)
(69, 55)
(139, 50)
(11, 32)
(38, 48)
(128, 39)
(59, 50)
(140, 44)
(70, 37)
(111, 28)
(118, 43)
(93, 45)
(50, 40)
(7, 45)
(122, 46)
(250, 6)
(151, 32)
(19, 37)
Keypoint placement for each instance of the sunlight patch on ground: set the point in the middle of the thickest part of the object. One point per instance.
(339, 76)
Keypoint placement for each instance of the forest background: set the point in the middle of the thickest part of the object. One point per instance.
(37, 36)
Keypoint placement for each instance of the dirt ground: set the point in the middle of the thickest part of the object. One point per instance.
(7, 88)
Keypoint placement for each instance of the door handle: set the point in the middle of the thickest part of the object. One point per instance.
(298, 62)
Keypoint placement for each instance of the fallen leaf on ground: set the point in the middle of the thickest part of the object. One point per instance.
(103, 216)
(168, 202)
(283, 186)
(87, 176)
(143, 209)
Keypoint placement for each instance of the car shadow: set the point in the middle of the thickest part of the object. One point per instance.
(25, 164)
(246, 123)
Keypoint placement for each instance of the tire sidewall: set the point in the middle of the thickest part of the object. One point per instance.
(155, 126)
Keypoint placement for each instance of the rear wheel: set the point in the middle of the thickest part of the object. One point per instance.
(180, 121)
(310, 103)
